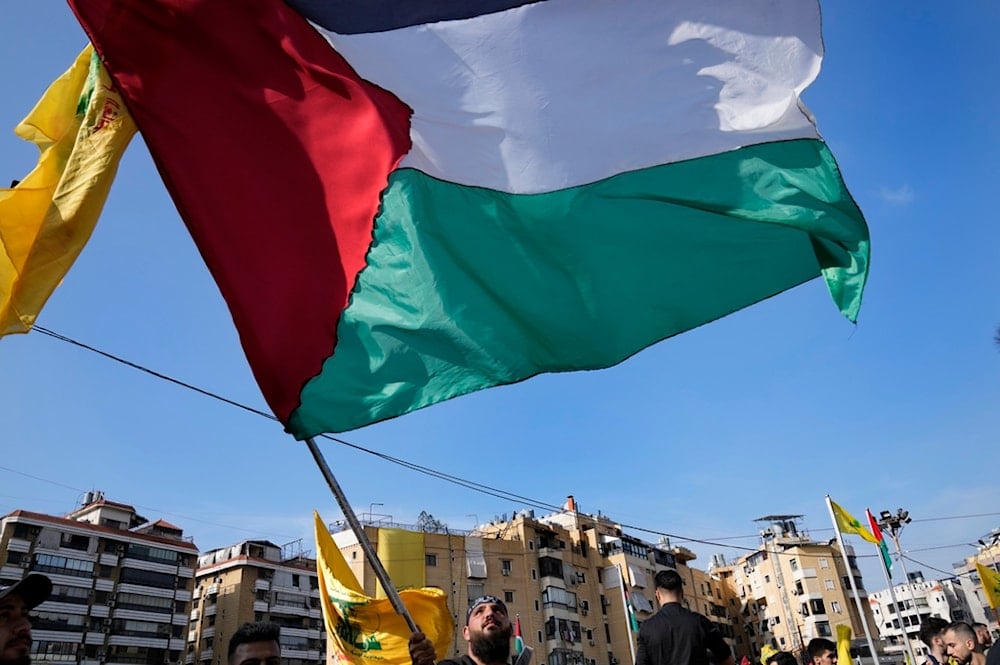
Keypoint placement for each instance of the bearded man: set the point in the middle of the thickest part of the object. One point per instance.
(487, 631)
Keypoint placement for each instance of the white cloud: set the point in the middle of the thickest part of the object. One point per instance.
(900, 196)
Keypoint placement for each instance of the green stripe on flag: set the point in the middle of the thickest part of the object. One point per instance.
(468, 288)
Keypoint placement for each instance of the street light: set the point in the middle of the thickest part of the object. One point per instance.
(894, 523)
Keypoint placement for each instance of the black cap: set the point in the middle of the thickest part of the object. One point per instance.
(484, 600)
(33, 590)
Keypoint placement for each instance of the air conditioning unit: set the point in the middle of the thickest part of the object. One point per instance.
(614, 661)
(26, 563)
(505, 573)
(111, 602)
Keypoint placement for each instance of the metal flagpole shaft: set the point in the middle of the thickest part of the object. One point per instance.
(628, 618)
(913, 597)
(850, 578)
(366, 545)
(899, 613)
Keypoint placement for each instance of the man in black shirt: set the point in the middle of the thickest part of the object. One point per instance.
(676, 635)
(487, 630)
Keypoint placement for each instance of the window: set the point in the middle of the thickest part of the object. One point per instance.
(148, 578)
(75, 542)
(823, 629)
(823, 563)
(54, 651)
(794, 563)
(817, 606)
(154, 554)
(431, 560)
(828, 584)
(835, 606)
(508, 596)
(553, 595)
(60, 565)
(550, 566)
(506, 565)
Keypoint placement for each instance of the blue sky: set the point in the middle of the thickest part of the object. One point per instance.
(762, 412)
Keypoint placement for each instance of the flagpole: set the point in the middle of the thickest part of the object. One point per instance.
(898, 612)
(628, 619)
(366, 545)
(850, 578)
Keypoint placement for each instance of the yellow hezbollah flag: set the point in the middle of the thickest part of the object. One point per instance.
(82, 128)
(766, 652)
(843, 644)
(991, 584)
(847, 523)
(367, 631)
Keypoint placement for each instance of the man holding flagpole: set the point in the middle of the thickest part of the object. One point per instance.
(487, 631)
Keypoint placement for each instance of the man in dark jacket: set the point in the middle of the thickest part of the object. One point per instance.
(676, 635)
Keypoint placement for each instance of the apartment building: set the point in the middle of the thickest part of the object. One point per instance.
(565, 576)
(121, 584)
(988, 555)
(793, 589)
(898, 615)
(256, 580)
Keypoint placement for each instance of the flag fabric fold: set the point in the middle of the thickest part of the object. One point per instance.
(404, 207)
(847, 523)
(81, 128)
(883, 549)
(991, 584)
(844, 644)
(365, 630)
(518, 639)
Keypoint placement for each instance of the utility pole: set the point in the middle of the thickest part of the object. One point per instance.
(893, 524)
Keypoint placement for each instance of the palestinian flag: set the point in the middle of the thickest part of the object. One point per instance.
(883, 549)
(407, 202)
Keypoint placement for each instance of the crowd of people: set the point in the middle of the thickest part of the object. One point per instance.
(673, 636)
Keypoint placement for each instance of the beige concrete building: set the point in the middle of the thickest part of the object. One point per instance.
(121, 584)
(793, 589)
(989, 556)
(560, 574)
(256, 580)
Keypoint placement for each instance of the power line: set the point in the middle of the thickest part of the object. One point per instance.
(434, 473)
